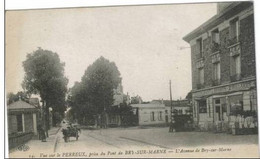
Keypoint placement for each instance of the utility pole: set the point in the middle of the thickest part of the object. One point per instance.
(171, 100)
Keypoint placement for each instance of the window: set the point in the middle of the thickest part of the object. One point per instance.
(216, 71)
(215, 36)
(19, 123)
(160, 116)
(234, 30)
(236, 104)
(152, 116)
(202, 106)
(201, 76)
(217, 101)
(199, 48)
(237, 64)
(235, 68)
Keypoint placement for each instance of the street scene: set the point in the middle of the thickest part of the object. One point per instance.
(132, 81)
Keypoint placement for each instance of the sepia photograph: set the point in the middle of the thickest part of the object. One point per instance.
(160, 80)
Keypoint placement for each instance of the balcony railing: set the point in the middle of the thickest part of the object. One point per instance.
(235, 77)
(235, 50)
(214, 47)
(200, 63)
(215, 57)
(215, 82)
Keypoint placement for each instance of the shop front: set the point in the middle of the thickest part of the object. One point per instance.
(227, 107)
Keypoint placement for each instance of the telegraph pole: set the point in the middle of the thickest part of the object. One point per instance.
(171, 100)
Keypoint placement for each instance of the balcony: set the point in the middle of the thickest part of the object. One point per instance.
(214, 47)
(215, 58)
(215, 82)
(235, 50)
(235, 77)
(200, 86)
(200, 63)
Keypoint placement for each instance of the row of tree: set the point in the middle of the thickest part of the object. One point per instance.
(94, 94)
(44, 75)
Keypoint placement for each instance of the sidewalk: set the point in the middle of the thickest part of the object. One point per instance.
(35, 147)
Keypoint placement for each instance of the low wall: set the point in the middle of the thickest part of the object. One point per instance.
(19, 139)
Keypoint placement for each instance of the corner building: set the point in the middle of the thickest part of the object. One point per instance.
(223, 66)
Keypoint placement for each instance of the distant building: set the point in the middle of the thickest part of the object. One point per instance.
(113, 117)
(22, 122)
(223, 66)
(180, 106)
(150, 114)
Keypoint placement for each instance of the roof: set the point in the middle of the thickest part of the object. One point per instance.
(20, 105)
(176, 103)
(148, 105)
(230, 10)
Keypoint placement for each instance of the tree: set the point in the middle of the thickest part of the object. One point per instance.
(44, 75)
(11, 97)
(94, 94)
(100, 80)
(136, 100)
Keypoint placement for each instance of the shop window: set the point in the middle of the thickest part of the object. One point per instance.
(19, 123)
(224, 108)
(217, 101)
(202, 106)
(236, 104)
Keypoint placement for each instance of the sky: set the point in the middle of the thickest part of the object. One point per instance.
(143, 41)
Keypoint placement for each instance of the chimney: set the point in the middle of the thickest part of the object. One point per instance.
(162, 101)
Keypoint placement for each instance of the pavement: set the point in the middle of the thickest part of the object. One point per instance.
(134, 139)
(35, 147)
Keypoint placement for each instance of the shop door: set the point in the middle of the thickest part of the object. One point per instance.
(220, 109)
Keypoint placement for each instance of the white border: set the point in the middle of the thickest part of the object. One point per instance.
(43, 4)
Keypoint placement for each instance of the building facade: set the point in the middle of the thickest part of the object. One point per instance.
(150, 113)
(181, 107)
(224, 67)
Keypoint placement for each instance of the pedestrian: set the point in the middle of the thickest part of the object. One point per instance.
(172, 126)
(42, 132)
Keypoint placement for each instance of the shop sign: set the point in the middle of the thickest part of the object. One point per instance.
(228, 88)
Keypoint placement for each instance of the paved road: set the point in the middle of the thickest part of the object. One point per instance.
(94, 139)
(120, 139)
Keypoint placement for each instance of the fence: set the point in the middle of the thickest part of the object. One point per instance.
(19, 139)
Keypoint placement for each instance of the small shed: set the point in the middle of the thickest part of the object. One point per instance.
(22, 122)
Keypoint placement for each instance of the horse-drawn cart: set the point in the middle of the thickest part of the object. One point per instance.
(70, 132)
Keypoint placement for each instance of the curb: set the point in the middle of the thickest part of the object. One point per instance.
(56, 140)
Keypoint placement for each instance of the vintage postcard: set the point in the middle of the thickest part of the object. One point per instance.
(162, 80)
